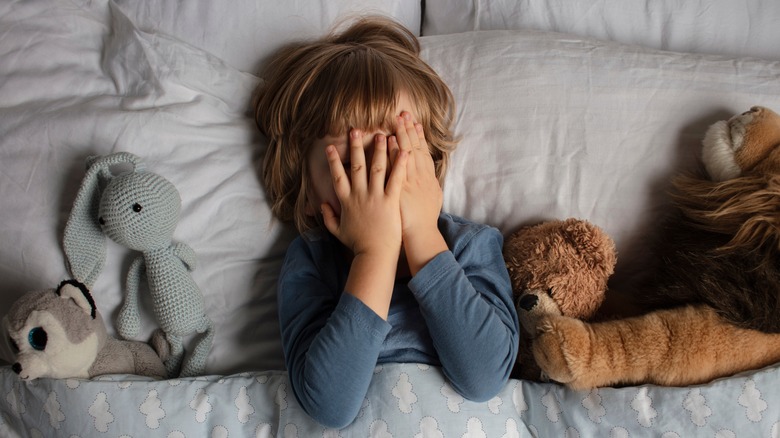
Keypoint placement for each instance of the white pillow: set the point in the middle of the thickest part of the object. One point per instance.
(554, 126)
(726, 27)
(243, 33)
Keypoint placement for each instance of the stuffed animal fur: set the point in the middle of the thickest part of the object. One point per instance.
(59, 333)
(716, 290)
(556, 268)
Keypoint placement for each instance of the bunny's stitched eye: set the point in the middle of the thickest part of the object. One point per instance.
(37, 338)
(14, 347)
(137, 207)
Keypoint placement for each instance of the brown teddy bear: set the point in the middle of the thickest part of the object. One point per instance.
(715, 298)
(556, 268)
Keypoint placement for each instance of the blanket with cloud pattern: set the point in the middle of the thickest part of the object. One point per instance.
(404, 400)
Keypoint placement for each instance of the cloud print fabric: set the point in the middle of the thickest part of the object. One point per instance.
(404, 400)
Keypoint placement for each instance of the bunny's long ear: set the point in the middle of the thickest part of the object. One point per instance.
(84, 241)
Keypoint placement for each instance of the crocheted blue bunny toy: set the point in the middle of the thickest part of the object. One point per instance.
(140, 210)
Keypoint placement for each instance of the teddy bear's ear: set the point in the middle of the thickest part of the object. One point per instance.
(76, 291)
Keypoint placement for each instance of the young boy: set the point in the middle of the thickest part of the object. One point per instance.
(359, 136)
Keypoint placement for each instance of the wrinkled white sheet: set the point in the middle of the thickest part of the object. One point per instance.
(80, 79)
(721, 27)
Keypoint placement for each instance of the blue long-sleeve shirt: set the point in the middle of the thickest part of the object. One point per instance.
(457, 313)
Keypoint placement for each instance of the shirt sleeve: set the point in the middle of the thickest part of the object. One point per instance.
(465, 296)
(331, 340)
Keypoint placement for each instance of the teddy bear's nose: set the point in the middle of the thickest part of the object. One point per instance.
(101, 220)
(528, 302)
(17, 367)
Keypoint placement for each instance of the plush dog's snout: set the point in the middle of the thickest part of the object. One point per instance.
(17, 367)
(528, 302)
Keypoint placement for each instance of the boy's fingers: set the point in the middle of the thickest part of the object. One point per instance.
(392, 149)
(423, 155)
(408, 162)
(400, 132)
(376, 181)
(411, 131)
(398, 174)
(337, 173)
(357, 157)
(329, 218)
(421, 136)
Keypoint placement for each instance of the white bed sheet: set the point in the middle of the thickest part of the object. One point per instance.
(80, 79)
(721, 27)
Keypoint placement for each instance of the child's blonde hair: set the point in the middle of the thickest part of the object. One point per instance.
(350, 79)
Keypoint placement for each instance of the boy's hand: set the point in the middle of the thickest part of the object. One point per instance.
(421, 197)
(370, 220)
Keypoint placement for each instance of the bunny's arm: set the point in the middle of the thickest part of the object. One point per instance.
(186, 254)
(128, 322)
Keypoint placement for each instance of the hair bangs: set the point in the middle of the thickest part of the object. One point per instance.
(363, 90)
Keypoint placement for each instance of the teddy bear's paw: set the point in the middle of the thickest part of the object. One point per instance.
(562, 350)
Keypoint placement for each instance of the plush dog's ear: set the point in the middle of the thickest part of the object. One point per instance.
(79, 293)
(84, 241)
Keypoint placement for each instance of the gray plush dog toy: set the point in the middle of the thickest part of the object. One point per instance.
(140, 210)
(59, 333)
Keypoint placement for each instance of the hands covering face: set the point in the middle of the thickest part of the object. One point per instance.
(393, 198)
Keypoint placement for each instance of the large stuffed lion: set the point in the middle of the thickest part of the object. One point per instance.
(716, 292)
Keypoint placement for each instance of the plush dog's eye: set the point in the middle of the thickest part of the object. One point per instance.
(37, 338)
(14, 347)
(137, 207)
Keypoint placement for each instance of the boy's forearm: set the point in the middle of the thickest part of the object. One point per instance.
(422, 246)
(471, 318)
(330, 377)
(371, 278)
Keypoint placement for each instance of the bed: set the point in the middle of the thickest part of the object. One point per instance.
(565, 109)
